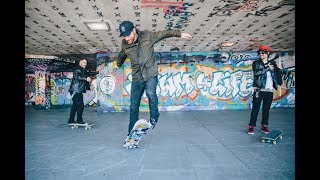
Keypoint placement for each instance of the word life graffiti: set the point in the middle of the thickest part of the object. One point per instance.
(195, 81)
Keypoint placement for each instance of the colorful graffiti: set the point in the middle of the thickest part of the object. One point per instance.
(40, 87)
(29, 90)
(90, 97)
(187, 81)
(195, 81)
(60, 83)
(45, 87)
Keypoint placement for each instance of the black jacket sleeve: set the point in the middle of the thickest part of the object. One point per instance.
(258, 68)
(77, 75)
(121, 58)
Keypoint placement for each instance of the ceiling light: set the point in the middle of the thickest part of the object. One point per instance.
(227, 44)
(98, 25)
(39, 56)
(255, 40)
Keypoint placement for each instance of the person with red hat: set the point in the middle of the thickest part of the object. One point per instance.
(266, 78)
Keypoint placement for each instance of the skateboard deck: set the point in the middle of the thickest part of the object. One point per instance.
(76, 125)
(138, 130)
(272, 136)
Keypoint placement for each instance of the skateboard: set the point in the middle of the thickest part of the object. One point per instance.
(139, 129)
(272, 136)
(75, 125)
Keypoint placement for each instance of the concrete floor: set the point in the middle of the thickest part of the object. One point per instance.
(193, 145)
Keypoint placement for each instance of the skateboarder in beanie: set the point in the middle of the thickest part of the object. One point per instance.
(266, 78)
(79, 85)
(138, 46)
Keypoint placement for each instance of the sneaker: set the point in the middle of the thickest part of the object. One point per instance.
(251, 130)
(81, 122)
(265, 129)
(152, 123)
(70, 121)
(124, 144)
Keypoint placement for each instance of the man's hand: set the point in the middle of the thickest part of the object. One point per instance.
(89, 79)
(116, 67)
(271, 66)
(185, 35)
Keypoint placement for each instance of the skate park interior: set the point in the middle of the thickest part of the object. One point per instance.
(205, 90)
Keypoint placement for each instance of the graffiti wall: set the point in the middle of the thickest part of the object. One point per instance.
(194, 81)
(42, 90)
(60, 83)
(45, 88)
(30, 88)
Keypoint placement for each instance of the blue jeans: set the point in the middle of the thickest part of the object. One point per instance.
(137, 90)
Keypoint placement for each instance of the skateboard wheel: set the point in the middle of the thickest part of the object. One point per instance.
(89, 127)
(262, 140)
(72, 127)
(280, 137)
(274, 142)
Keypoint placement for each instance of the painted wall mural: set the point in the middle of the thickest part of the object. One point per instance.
(42, 90)
(60, 83)
(194, 81)
(47, 82)
(30, 88)
(90, 97)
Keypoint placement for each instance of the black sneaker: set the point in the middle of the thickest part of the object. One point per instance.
(70, 121)
(81, 122)
(152, 123)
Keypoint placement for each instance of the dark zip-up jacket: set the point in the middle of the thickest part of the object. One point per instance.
(260, 74)
(143, 63)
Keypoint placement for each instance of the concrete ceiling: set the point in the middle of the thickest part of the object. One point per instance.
(55, 27)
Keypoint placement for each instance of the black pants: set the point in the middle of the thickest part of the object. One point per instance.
(77, 107)
(266, 97)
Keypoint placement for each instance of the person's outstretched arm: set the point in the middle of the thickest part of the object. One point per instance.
(158, 36)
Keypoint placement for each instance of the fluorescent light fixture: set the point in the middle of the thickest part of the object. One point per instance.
(34, 56)
(98, 25)
(255, 40)
(227, 44)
